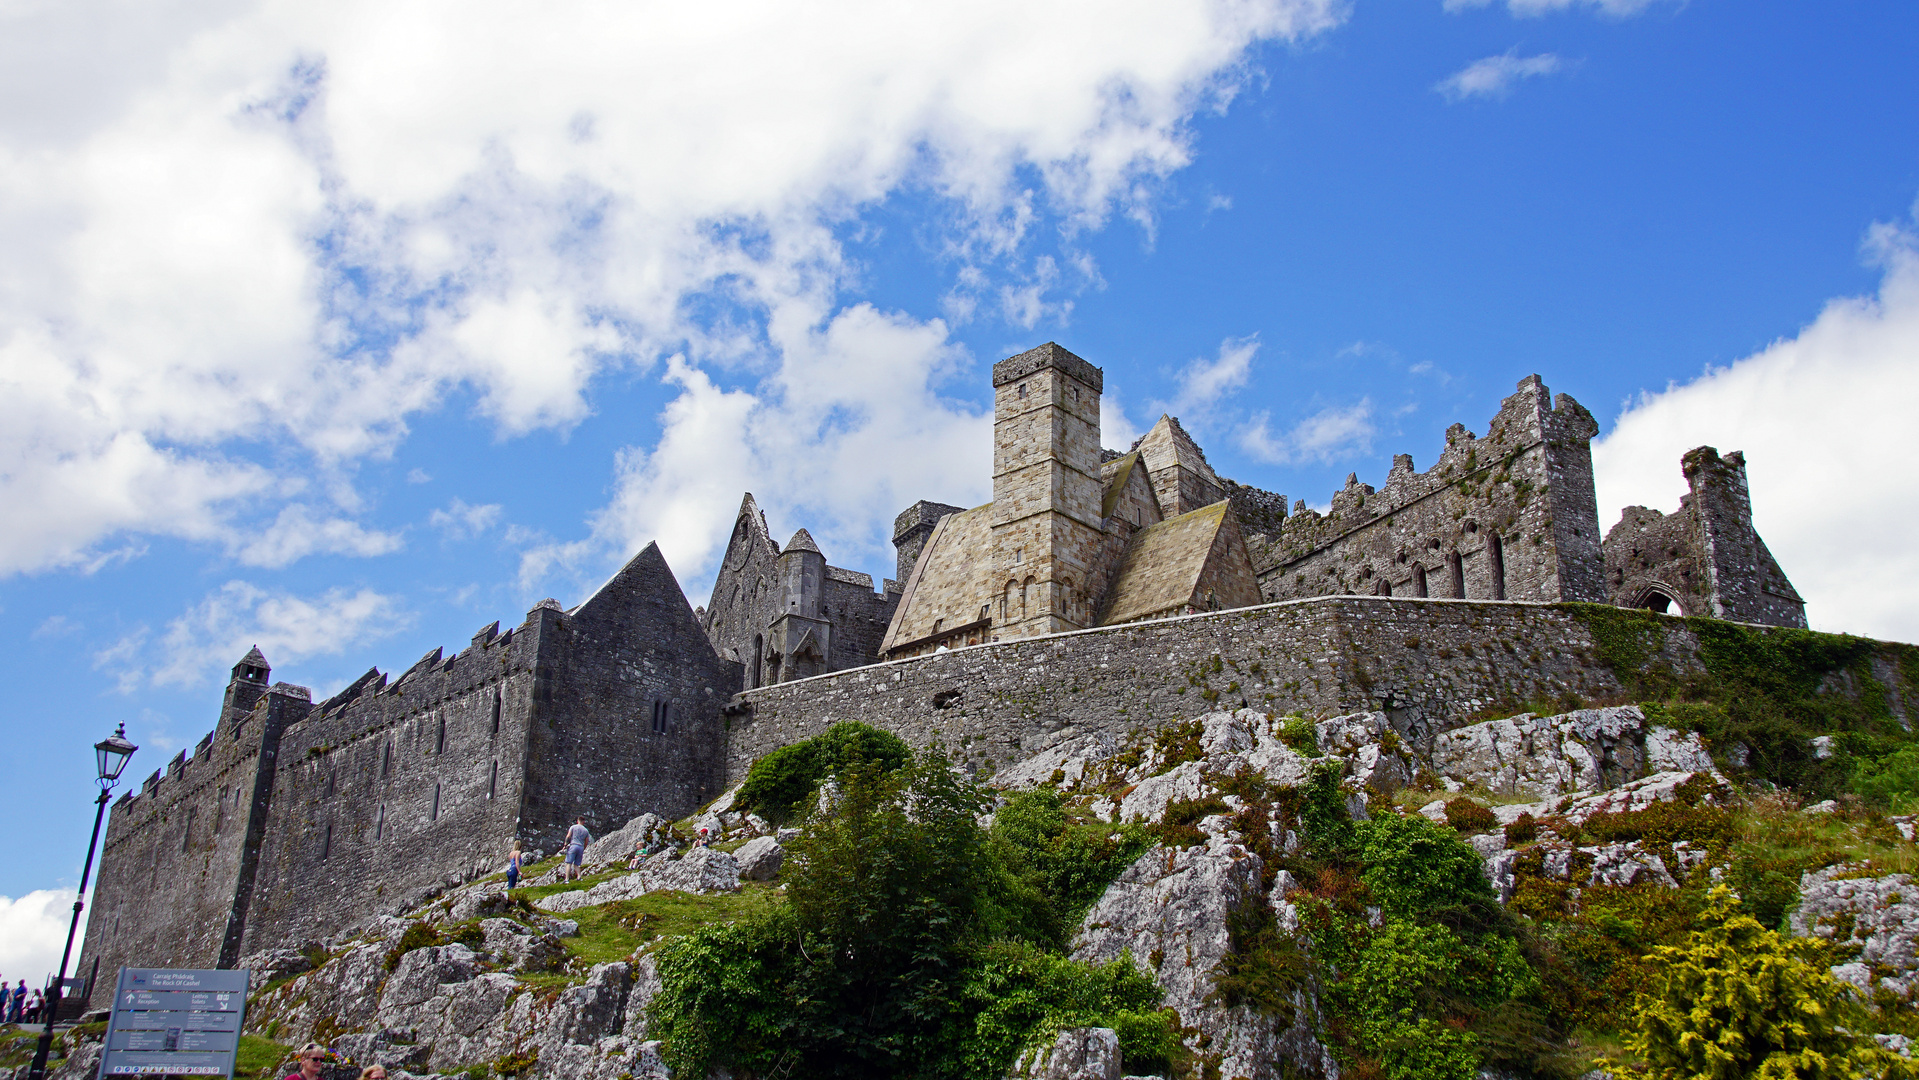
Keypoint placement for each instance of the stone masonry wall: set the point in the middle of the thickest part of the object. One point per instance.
(1508, 516)
(391, 788)
(176, 855)
(1429, 664)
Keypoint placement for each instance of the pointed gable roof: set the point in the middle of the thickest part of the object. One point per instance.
(802, 541)
(1175, 563)
(1168, 444)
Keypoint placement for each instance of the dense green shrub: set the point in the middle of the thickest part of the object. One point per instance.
(1891, 782)
(910, 943)
(1067, 865)
(1416, 868)
(1018, 995)
(780, 782)
(1738, 1000)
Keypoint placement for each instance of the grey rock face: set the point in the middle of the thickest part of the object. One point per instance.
(759, 859)
(273, 964)
(1076, 1054)
(1172, 905)
(1880, 913)
(699, 870)
(1542, 756)
(620, 843)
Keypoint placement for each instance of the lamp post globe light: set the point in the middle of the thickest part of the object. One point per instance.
(111, 754)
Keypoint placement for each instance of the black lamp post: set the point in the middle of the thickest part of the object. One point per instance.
(113, 752)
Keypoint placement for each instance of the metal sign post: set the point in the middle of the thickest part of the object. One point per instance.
(175, 1023)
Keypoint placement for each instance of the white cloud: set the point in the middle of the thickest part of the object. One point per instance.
(1494, 76)
(1618, 9)
(1116, 430)
(461, 520)
(418, 476)
(33, 930)
(819, 443)
(243, 239)
(1325, 436)
(297, 533)
(1825, 420)
(211, 636)
(1202, 383)
(56, 626)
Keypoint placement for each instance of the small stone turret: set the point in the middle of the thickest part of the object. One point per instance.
(248, 684)
(801, 641)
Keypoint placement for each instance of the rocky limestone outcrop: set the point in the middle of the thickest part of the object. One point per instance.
(1168, 912)
(1878, 916)
(698, 870)
(1076, 1054)
(1583, 750)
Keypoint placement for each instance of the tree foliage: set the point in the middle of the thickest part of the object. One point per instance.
(1739, 1001)
(911, 943)
(779, 783)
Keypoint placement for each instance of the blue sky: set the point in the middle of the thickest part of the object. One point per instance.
(349, 332)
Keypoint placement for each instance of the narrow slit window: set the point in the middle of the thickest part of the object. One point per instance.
(326, 844)
(493, 780)
(435, 815)
(386, 760)
(439, 741)
(1419, 580)
(660, 715)
(1496, 554)
(496, 711)
(379, 823)
(1457, 568)
(186, 834)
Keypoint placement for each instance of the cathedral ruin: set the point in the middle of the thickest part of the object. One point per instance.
(1117, 574)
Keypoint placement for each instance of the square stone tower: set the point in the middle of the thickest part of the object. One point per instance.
(1047, 493)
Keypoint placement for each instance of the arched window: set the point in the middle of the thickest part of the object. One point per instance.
(1419, 579)
(759, 654)
(1496, 554)
(1456, 569)
(1383, 587)
(1025, 597)
(1006, 599)
(1657, 601)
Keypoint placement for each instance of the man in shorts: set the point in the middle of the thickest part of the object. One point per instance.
(576, 840)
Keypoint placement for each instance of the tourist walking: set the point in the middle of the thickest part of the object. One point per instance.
(515, 860)
(576, 840)
(19, 1003)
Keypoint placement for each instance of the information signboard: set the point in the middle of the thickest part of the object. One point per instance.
(175, 1023)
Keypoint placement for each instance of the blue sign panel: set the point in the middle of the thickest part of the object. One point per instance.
(175, 1023)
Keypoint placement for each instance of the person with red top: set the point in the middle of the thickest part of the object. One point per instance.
(312, 1056)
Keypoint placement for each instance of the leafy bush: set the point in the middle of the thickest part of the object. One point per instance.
(1414, 867)
(1891, 782)
(1068, 865)
(1738, 1000)
(1523, 830)
(420, 935)
(1179, 824)
(1018, 996)
(891, 956)
(1301, 734)
(780, 782)
(1469, 817)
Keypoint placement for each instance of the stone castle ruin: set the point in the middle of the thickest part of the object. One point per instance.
(1081, 599)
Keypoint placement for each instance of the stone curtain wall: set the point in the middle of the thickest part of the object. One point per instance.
(176, 856)
(373, 805)
(1514, 512)
(1428, 664)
